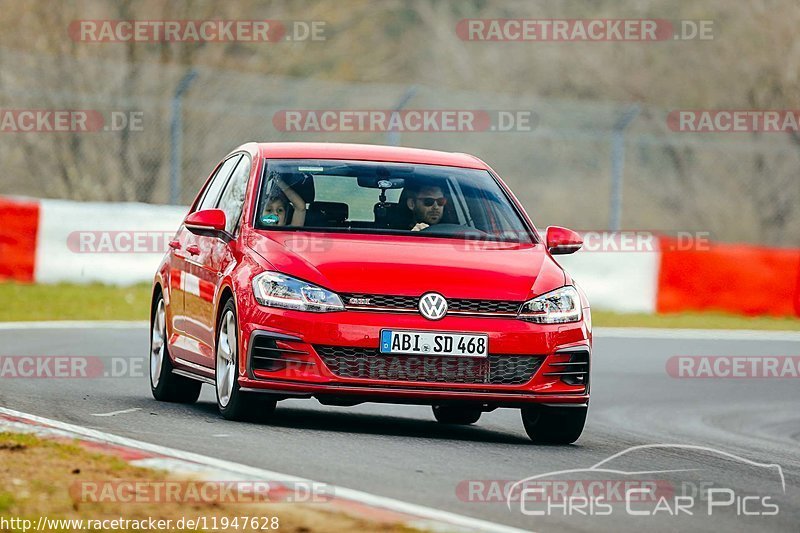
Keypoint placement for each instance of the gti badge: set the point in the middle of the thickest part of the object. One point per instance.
(433, 306)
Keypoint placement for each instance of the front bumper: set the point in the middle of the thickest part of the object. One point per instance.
(282, 354)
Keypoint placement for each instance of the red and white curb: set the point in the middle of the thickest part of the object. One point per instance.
(348, 501)
(47, 241)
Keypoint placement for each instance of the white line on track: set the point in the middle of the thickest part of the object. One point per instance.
(76, 324)
(453, 519)
(697, 334)
(115, 413)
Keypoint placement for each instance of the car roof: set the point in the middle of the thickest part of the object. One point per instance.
(368, 152)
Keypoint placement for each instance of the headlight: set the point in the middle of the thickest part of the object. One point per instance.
(555, 307)
(279, 290)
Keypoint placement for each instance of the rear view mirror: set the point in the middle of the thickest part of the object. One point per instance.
(381, 182)
(208, 222)
(561, 241)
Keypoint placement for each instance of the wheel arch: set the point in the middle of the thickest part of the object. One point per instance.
(226, 293)
(158, 291)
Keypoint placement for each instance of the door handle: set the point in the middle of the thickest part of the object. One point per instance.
(175, 245)
(193, 249)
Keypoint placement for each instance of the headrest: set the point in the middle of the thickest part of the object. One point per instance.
(303, 184)
(328, 212)
(393, 216)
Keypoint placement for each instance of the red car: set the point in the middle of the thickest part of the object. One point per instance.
(358, 273)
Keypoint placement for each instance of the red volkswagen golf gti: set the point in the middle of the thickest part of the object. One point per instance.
(357, 273)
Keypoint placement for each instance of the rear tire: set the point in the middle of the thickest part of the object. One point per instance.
(233, 404)
(448, 414)
(554, 425)
(164, 385)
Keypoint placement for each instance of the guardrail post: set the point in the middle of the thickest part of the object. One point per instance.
(618, 165)
(176, 137)
(393, 136)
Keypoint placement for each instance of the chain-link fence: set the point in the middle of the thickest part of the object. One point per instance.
(742, 186)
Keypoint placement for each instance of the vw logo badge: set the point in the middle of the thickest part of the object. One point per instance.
(433, 306)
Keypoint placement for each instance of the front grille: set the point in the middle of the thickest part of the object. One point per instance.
(383, 300)
(410, 303)
(368, 363)
(483, 306)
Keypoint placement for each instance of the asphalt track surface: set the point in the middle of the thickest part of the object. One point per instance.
(401, 452)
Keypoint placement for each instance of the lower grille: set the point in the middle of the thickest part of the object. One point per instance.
(367, 363)
(265, 354)
(572, 372)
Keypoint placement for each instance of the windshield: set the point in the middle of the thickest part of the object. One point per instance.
(368, 197)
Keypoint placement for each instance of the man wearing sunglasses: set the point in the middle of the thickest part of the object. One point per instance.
(427, 205)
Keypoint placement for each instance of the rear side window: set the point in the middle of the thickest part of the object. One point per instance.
(211, 196)
(232, 199)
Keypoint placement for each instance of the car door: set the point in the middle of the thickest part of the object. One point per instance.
(212, 260)
(187, 260)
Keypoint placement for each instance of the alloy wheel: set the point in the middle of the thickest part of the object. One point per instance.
(226, 358)
(158, 341)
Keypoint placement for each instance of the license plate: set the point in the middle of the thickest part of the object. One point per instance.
(434, 343)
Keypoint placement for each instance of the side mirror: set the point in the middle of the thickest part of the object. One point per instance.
(561, 241)
(208, 222)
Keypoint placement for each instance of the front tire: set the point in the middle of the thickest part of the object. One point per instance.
(164, 385)
(448, 414)
(233, 404)
(546, 424)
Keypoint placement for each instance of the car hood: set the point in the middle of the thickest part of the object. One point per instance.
(410, 265)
